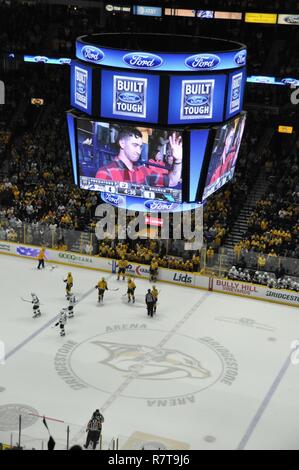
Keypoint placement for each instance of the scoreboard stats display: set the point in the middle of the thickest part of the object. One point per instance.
(129, 96)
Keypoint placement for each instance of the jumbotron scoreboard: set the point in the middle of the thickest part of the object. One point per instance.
(134, 84)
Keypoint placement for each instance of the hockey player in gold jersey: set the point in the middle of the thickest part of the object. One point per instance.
(69, 284)
(101, 286)
(122, 266)
(154, 266)
(155, 294)
(131, 290)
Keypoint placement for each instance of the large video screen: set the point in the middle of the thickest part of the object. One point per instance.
(135, 161)
(198, 145)
(72, 140)
(224, 155)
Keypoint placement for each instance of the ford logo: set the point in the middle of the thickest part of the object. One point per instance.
(289, 81)
(81, 88)
(142, 60)
(263, 79)
(236, 94)
(129, 98)
(112, 199)
(240, 57)
(197, 100)
(292, 19)
(202, 61)
(65, 60)
(40, 58)
(160, 206)
(93, 54)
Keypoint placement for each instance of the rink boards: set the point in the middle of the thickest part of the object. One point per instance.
(195, 280)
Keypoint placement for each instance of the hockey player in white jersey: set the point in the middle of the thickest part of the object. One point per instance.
(36, 305)
(70, 308)
(62, 321)
(271, 283)
(296, 286)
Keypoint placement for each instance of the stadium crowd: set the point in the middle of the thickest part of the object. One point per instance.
(274, 223)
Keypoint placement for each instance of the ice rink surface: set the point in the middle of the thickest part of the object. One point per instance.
(209, 371)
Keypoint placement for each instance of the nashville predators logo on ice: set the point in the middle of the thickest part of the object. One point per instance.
(157, 364)
(197, 98)
(132, 360)
(129, 96)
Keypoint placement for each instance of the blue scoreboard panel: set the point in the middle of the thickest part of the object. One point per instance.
(196, 99)
(130, 96)
(81, 87)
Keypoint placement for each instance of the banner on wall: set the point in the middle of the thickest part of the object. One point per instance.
(173, 276)
(268, 18)
(251, 290)
(291, 20)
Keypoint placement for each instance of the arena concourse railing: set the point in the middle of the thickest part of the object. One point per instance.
(42, 234)
(220, 263)
(212, 262)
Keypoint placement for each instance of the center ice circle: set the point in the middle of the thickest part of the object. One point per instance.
(138, 363)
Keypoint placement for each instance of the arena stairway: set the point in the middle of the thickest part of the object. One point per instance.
(241, 225)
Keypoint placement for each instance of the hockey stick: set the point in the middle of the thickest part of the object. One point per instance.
(114, 290)
(30, 301)
(45, 423)
(51, 442)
